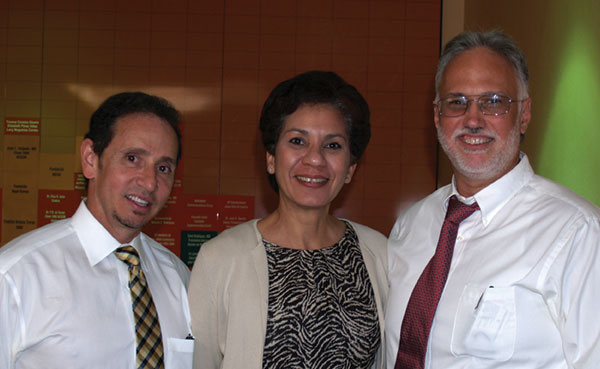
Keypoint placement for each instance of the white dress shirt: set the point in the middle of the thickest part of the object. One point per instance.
(65, 301)
(523, 289)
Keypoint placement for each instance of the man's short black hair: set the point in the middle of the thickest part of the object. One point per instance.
(125, 103)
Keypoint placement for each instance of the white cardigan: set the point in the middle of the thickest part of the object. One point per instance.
(228, 295)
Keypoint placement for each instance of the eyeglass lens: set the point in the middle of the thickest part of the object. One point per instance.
(489, 105)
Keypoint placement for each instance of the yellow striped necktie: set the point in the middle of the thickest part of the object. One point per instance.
(149, 350)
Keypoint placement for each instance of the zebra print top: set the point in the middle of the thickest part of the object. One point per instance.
(321, 311)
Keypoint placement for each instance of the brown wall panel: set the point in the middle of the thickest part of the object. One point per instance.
(217, 61)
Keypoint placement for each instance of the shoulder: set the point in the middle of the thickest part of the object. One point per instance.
(232, 241)
(543, 192)
(371, 241)
(373, 246)
(430, 201)
(237, 254)
(33, 242)
(424, 208)
(368, 234)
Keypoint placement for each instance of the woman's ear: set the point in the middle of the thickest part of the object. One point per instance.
(270, 163)
(350, 173)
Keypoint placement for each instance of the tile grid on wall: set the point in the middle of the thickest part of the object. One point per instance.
(217, 61)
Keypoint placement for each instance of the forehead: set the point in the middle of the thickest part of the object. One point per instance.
(478, 71)
(146, 131)
(324, 117)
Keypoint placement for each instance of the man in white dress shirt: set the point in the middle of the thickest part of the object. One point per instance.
(522, 288)
(64, 295)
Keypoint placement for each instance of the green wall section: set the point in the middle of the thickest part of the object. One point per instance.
(561, 41)
(570, 149)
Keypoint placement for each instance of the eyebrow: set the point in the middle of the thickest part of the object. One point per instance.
(486, 93)
(169, 160)
(305, 132)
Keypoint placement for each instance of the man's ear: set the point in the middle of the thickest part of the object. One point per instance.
(436, 116)
(525, 116)
(89, 159)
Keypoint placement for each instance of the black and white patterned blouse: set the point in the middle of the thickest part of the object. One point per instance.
(322, 311)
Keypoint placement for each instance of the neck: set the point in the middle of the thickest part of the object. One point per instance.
(303, 230)
(468, 185)
(124, 235)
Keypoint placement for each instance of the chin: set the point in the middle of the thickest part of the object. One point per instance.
(489, 171)
(134, 224)
(314, 204)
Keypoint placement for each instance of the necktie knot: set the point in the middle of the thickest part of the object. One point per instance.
(459, 211)
(128, 255)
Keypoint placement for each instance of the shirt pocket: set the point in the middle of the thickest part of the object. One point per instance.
(485, 324)
(181, 353)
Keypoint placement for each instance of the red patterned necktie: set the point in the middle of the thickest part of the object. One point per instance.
(149, 350)
(424, 299)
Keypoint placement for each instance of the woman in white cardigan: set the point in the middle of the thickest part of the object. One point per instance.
(299, 288)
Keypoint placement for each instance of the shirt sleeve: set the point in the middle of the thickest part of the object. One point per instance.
(11, 321)
(580, 296)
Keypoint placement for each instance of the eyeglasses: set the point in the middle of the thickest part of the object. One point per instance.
(493, 104)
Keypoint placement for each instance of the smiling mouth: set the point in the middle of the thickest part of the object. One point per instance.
(137, 200)
(476, 140)
(312, 180)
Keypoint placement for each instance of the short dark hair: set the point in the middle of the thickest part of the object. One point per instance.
(125, 103)
(315, 88)
(494, 40)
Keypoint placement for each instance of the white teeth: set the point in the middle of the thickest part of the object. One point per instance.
(137, 200)
(312, 180)
(476, 141)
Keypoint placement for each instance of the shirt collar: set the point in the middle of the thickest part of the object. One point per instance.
(493, 197)
(96, 241)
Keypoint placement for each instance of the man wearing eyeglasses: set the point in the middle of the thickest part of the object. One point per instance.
(500, 268)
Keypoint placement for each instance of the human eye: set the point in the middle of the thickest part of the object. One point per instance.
(165, 169)
(493, 100)
(454, 104)
(456, 101)
(333, 145)
(132, 158)
(494, 104)
(296, 141)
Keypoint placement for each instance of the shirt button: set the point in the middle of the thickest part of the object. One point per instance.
(459, 238)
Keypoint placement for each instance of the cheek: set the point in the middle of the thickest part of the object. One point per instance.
(341, 165)
(285, 161)
(166, 183)
(111, 179)
(444, 130)
(507, 128)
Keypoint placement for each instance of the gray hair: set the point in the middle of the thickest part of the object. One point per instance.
(494, 40)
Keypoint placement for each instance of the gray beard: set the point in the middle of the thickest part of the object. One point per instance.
(498, 165)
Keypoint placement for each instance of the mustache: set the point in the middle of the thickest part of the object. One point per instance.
(474, 131)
